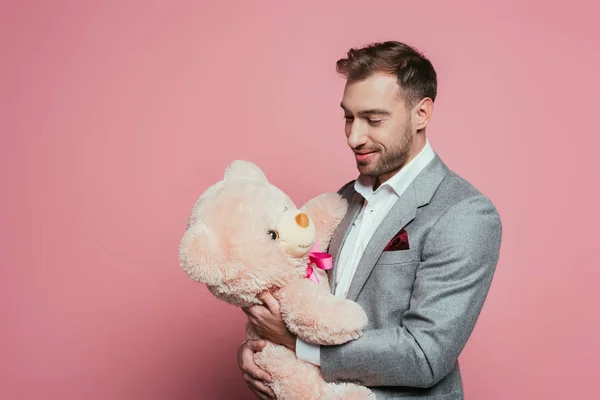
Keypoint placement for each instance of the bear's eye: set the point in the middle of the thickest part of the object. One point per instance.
(273, 235)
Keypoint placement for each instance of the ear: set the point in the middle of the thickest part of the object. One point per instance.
(327, 211)
(196, 208)
(423, 113)
(196, 255)
(240, 169)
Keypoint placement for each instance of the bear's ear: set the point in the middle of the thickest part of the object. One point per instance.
(240, 169)
(197, 255)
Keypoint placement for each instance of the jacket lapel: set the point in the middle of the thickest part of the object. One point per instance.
(403, 211)
(418, 194)
(339, 237)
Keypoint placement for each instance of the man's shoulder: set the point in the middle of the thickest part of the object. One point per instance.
(455, 189)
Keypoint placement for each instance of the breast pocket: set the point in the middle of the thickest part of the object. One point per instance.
(398, 257)
(397, 268)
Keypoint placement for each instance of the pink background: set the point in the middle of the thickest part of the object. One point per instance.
(116, 115)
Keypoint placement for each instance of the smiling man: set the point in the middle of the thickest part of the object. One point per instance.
(417, 249)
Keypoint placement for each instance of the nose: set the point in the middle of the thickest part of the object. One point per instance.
(356, 134)
(302, 220)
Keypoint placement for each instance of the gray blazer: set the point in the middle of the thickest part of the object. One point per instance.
(422, 303)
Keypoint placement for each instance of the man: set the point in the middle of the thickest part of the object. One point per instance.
(417, 249)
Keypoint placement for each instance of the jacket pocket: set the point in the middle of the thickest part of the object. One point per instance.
(399, 257)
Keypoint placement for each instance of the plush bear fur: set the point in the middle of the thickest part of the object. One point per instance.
(246, 236)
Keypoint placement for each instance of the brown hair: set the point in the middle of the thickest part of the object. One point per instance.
(416, 76)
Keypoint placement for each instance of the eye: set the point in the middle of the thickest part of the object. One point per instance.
(375, 122)
(273, 235)
(348, 118)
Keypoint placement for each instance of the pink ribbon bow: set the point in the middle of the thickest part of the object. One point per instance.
(320, 259)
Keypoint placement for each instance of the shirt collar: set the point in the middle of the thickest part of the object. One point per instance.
(398, 183)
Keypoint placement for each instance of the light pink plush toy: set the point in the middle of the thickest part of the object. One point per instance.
(246, 236)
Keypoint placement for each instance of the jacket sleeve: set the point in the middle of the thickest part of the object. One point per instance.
(459, 258)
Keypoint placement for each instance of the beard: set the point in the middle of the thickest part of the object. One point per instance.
(390, 159)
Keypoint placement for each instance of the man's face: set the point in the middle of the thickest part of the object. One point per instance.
(379, 127)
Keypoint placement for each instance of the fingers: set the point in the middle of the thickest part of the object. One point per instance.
(270, 301)
(256, 345)
(252, 369)
(259, 388)
(252, 318)
(254, 376)
(271, 306)
(256, 311)
(246, 360)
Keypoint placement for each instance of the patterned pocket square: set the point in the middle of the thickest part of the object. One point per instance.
(399, 242)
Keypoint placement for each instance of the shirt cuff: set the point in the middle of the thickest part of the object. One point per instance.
(308, 352)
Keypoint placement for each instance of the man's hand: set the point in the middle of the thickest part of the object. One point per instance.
(254, 376)
(267, 321)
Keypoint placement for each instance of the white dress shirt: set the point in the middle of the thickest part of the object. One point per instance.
(376, 206)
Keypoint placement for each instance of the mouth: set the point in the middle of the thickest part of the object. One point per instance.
(362, 157)
(308, 246)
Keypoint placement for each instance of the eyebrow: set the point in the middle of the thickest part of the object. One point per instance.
(370, 111)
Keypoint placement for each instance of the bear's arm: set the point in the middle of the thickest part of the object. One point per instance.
(317, 316)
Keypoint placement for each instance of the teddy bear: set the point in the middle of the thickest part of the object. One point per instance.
(245, 236)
